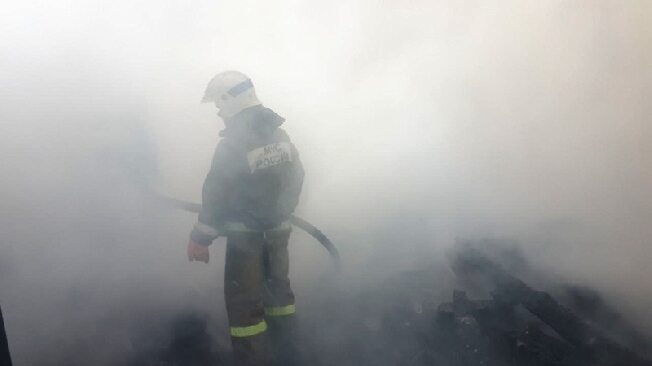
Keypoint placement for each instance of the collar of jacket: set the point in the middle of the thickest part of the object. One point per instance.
(257, 119)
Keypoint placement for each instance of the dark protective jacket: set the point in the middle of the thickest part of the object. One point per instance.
(255, 177)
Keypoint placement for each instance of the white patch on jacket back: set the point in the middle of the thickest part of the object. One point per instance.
(269, 155)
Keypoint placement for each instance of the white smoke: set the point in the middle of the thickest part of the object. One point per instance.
(475, 119)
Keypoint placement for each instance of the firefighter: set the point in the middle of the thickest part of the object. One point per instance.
(251, 189)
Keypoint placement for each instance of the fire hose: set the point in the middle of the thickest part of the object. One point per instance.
(294, 220)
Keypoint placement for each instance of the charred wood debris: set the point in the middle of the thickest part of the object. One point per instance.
(519, 325)
(493, 319)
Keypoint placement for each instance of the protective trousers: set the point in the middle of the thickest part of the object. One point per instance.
(259, 300)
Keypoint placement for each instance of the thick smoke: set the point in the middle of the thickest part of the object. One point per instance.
(418, 123)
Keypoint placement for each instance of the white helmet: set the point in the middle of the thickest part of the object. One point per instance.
(231, 91)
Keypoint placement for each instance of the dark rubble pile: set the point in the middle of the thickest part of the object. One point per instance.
(184, 341)
(517, 325)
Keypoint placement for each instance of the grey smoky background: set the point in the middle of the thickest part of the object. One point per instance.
(419, 122)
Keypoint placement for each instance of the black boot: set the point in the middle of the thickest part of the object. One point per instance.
(284, 338)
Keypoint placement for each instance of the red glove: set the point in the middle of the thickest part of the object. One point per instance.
(197, 252)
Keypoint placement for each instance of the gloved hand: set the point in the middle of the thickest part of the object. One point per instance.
(197, 252)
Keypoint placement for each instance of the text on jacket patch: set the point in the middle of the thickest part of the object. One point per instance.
(269, 155)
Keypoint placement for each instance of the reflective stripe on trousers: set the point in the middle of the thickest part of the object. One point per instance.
(280, 310)
(249, 331)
